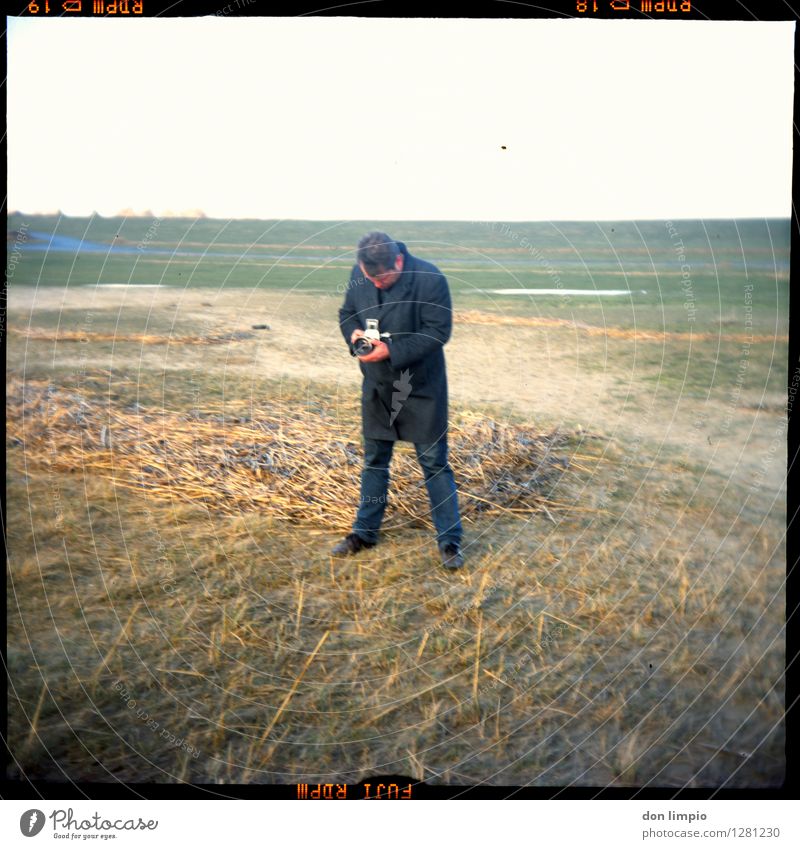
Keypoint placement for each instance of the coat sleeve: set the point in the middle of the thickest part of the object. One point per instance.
(348, 314)
(436, 324)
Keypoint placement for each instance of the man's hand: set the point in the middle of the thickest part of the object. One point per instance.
(380, 351)
(356, 334)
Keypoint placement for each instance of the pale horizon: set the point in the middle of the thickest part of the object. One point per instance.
(496, 120)
(201, 215)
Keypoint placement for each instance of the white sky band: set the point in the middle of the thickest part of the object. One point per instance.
(260, 118)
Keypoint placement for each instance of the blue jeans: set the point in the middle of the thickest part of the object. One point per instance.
(439, 481)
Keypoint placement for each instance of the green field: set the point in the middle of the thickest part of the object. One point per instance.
(722, 257)
(629, 634)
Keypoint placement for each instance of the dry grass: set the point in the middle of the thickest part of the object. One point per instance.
(154, 637)
(42, 334)
(460, 316)
(478, 317)
(284, 459)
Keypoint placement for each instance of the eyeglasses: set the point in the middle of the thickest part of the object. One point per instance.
(382, 276)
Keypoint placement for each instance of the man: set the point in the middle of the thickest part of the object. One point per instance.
(404, 392)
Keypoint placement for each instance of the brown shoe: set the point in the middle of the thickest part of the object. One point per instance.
(351, 544)
(452, 558)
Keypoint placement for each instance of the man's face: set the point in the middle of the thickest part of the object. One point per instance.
(385, 279)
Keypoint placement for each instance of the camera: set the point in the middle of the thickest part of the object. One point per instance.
(361, 346)
(372, 335)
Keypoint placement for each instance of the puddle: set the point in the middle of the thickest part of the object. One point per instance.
(608, 292)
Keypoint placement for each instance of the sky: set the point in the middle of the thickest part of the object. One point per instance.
(401, 119)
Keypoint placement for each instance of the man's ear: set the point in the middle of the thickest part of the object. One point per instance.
(398, 263)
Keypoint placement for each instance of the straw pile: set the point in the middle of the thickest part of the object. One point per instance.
(288, 459)
(478, 317)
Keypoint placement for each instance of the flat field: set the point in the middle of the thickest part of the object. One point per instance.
(176, 478)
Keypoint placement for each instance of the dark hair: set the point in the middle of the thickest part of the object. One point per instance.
(377, 252)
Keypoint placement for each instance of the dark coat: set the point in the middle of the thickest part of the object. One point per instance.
(404, 397)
